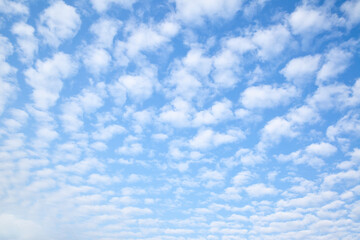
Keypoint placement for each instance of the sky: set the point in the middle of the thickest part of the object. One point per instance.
(179, 119)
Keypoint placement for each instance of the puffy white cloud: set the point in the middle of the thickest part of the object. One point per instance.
(106, 133)
(349, 124)
(159, 136)
(96, 59)
(226, 64)
(12, 7)
(148, 37)
(26, 40)
(131, 149)
(105, 30)
(103, 5)
(242, 178)
(220, 111)
(267, 96)
(46, 78)
(310, 200)
(139, 87)
(350, 176)
(176, 114)
(7, 83)
(335, 95)
(186, 84)
(194, 11)
(311, 155)
(301, 68)
(321, 149)
(337, 60)
(275, 130)
(207, 138)
(260, 189)
(271, 41)
(86, 102)
(58, 22)
(250, 158)
(306, 20)
(351, 9)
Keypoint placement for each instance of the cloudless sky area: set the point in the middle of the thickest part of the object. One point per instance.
(179, 119)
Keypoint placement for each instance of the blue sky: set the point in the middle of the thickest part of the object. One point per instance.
(180, 119)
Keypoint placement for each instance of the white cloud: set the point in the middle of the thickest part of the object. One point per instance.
(96, 60)
(349, 124)
(105, 30)
(260, 189)
(26, 40)
(226, 64)
(301, 68)
(58, 22)
(159, 136)
(350, 176)
(106, 133)
(141, 86)
(310, 200)
(148, 38)
(7, 83)
(337, 60)
(194, 11)
(267, 96)
(11, 7)
(131, 149)
(220, 111)
(86, 102)
(13, 227)
(249, 158)
(207, 138)
(103, 5)
(303, 114)
(271, 41)
(186, 85)
(242, 178)
(311, 155)
(178, 114)
(321, 149)
(305, 20)
(335, 95)
(351, 9)
(46, 78)
(275, 130)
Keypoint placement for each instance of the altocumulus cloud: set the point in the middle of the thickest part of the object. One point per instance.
(201, 119)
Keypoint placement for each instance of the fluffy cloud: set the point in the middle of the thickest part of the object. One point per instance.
(7, 82)
(301, 68)
(266, 96)
(97, 60)
(311, 155)
(46, 78)
(58, 23)
(337, 60)
(271, 41)
(351, 9)
(207, 138)
(26, 40)
(105, 30)
(13, 8)
(194, 11)
(103, 5)
(260, 189)
(218, 112)
(306, 20)
(139, 87)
